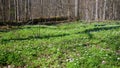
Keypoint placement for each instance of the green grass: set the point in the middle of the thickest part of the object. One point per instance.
(69, 45)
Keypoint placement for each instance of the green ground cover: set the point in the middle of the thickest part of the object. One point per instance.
(69, 45)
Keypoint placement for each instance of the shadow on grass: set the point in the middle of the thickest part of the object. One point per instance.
(97, 29)
(101, 28)
(3, 30)
(33, 37)
(21, 28)
(40, 27)
(12, 28)
(87, 31)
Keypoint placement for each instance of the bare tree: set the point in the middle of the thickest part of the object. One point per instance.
(96, 11)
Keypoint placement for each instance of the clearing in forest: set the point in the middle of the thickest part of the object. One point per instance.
(69, 45)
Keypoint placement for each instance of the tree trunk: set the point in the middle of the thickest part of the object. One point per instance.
(77, 8)
(96, 11)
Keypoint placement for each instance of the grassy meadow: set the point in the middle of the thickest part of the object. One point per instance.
(67, 45)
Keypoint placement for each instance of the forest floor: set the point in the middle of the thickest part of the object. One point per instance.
(69, 45)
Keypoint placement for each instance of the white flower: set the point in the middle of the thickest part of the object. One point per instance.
(118, 58)
(103, 62)
(70, 60)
